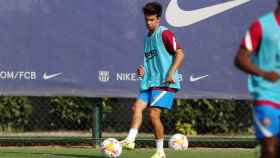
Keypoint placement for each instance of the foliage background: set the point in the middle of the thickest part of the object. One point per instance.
(192, 117)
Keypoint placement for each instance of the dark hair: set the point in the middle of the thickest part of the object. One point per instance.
(152, 8)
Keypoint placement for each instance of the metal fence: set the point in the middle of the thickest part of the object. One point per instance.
(86, 121)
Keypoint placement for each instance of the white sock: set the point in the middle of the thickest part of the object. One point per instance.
(159, 144)
(132, 134)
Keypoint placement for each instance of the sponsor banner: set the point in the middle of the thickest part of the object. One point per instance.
(90, 48)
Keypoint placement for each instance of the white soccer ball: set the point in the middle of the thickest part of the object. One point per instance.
(111, 147)
(178, 142)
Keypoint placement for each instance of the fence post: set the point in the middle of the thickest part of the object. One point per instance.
(96, 123)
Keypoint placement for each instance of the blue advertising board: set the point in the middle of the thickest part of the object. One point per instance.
(92, 48)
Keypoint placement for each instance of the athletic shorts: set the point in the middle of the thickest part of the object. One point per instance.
(266, 121)
(157, 98)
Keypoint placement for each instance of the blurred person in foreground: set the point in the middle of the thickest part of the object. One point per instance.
(259, 56)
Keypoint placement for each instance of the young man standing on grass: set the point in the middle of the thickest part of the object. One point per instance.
(162, 58)
(259, 56)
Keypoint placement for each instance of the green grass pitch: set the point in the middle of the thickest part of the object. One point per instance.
(83, 152)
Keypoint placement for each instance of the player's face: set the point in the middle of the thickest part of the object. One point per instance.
(152, 22)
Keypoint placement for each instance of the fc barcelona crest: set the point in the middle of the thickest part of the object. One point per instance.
(104, 76)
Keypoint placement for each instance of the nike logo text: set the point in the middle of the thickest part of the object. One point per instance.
(47, 77)
(193, 79)
(180, 18)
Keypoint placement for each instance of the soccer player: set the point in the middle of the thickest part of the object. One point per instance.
(162, 58)
(259, 56)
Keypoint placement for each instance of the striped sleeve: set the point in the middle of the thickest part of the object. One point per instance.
(252, 39)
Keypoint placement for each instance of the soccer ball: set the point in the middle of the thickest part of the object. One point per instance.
(178, 142)
(111, 147)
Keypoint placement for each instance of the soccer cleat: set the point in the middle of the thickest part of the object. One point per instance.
(159, 155)
(126, 144)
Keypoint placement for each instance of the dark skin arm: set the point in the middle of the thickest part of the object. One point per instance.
(244, 63)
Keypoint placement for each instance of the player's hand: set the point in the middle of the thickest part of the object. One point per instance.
(140, 71)
(271, 76)
(169, 78)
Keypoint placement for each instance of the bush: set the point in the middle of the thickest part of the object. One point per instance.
(70, 113)
(15, 113)
(213, 116)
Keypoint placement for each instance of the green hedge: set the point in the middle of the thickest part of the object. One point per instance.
(14, 113)
(74, 113)
(60, 113)
(212, 116)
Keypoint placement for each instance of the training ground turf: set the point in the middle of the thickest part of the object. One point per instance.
(82, 152)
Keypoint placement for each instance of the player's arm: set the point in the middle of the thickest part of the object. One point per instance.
(244, 63)
(250, 45)
(177, 62)
(174, 48)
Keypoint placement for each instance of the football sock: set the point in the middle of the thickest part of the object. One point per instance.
(159, 144)
(132, 134)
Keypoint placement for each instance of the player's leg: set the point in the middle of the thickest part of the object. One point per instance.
(154, 114)
(269, 147)
(137, 111)
(278, 136)
(160, 100)
(278, 145)
(266, 124)
(136, 120)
